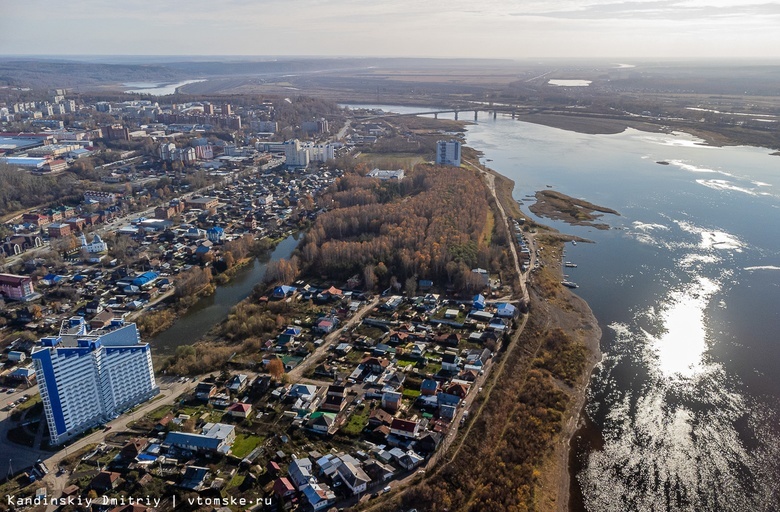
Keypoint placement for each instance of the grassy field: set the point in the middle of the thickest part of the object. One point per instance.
(236, 481)
(244, 444)
(392, 161)
(357, 422)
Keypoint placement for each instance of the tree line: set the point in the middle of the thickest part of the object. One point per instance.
(435, 224)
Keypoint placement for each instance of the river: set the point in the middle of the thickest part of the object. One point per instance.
(156, 88)
(682, 411)
(212, 309)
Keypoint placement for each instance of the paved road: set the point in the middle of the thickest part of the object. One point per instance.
(343, 132)
(491, 182)
(330, 339)
(170, 389)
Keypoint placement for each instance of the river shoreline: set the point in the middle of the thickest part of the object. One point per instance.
(573, 314)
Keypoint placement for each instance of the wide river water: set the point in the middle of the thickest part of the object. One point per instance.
(682, 411)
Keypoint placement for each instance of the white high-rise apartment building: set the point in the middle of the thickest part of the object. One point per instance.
(448, 152)
(295, 154)
(89, 377)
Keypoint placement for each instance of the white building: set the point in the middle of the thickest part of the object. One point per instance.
(87, 378)
(295, 155)
(385, 175)
(321, 152)
(354, 477)
(300, 154)
(448, 152)
(97, 245)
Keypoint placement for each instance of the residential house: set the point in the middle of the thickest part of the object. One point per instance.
(283, 488)
(318, 495)
(451, 339)
(378, 471)
(205, 390)
(450, 362)
(505, 310)
(239, 410)
(282, 292)
(405, 428)
(273, 468)
(335, 399)
(133, 448)
(343, 348)
(409, 460)
(477, 358)
(353, 477)
(391, 401)
(458, 389)
(300, 473)
(418, 350)
(375, 365)
(105, 481)
(380, 417)
(238, 383)
(322, 422)
(468, 375)
(331, 293)
(194, 478)
(214, 437)
(429, 387)
(303, 391)
(325, 370)
(429, 442)
(394, 381)
(326, 324)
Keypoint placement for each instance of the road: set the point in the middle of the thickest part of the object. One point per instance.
(330, 339)
(343, 132)
(491, 183)
(21, 457)
(435, 462)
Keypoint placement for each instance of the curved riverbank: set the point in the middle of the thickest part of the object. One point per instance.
(552, 305)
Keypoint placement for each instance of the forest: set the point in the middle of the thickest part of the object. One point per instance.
(436, 224)
(20, 189)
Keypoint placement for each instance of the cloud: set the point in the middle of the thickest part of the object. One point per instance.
(448, 28)
(658, 10)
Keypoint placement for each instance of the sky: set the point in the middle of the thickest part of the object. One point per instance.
(517, 29)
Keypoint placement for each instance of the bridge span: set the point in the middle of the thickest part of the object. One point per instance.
(490, 110)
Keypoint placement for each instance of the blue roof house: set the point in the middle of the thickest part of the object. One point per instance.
(215, 234)
(505, 310)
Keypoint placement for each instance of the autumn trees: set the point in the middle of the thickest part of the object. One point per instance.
(431, 225)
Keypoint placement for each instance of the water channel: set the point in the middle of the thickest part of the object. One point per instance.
(212, 309)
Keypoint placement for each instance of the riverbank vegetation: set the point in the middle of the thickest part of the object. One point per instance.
(197, 282)
(558, 206)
